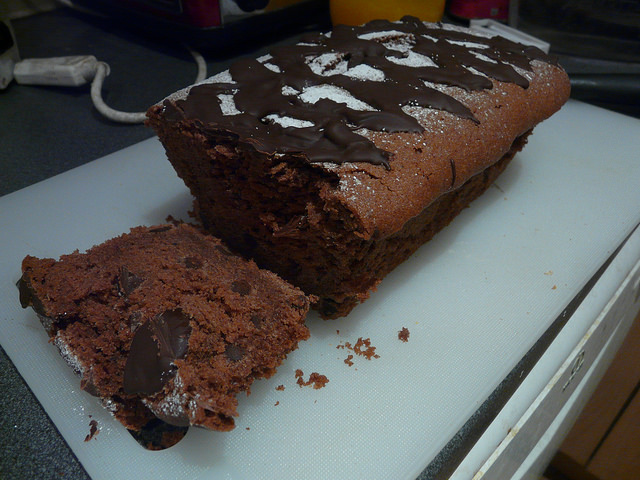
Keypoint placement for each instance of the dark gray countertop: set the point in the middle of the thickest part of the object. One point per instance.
(45, 131)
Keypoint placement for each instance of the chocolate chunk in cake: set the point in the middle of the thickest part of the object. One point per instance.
(331, 161)
(160, 323)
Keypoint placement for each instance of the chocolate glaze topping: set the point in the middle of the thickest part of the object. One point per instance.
(128, 281)
(28, 297)
(258, 90)
(155, 346)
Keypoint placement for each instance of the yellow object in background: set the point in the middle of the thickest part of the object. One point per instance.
(357, 12)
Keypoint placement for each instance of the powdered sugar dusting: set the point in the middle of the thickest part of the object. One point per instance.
(429, 37)
(110, 405)
(352, 187)
(429, 118)
(272, 67)
(173, 404)
(334, 63)
(528, 74)
(228, 105)
(348, 182)
(365, 72)
(192, 408)
(413, 59)
(381, 35)
(289, 121)
(462, 43)
(457, 28)
(222, 77)
(400, 44)
(439, 86)
(339, 95)
(69, 356)
(482, 57)
(288, 90)
(475, 71)
(328, 64)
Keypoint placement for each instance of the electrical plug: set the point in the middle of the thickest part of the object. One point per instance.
(71, 71)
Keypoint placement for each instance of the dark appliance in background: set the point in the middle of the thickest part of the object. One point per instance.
(213, 24)
(597, 41)
(472, 9)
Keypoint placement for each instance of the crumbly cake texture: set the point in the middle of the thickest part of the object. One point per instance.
(165, 322)
(331, 161)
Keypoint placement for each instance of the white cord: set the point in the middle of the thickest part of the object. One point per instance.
(131, 117)
(202, 65)
(96, 96)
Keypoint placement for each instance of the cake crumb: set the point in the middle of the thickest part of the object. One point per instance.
(404, 334)
(362, 347)
(349, 360)
(368, 352)
(93, 430)
(317, 380)
(280, 388)
(172, 220)
(277, 403)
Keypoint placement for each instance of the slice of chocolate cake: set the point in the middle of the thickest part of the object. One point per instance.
(330, 162)
(165, 322)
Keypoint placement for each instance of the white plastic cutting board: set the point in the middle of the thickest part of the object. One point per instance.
(474, 299)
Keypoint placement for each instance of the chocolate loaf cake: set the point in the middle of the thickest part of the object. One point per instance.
(330, 162)
(164, 322)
